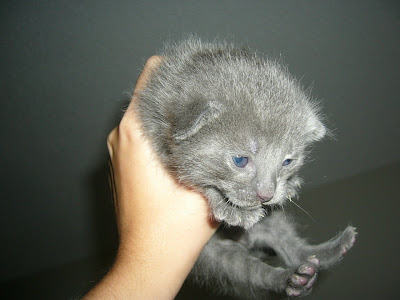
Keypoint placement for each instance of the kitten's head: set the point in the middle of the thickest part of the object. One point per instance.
(241, 165)
(239, 132)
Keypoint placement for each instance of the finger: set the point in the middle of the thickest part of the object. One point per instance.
(129, 120)
(111, 141)
(151, 64)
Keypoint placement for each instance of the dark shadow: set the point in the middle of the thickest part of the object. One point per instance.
(104, 227)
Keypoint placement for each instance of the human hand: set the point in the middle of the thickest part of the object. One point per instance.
(162, 225)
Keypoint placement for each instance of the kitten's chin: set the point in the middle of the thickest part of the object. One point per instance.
(234, 215)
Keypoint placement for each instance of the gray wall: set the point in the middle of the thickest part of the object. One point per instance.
(65, 66)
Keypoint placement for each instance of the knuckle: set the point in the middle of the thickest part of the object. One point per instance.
(123, 128)
(126, 130)
(111, 140)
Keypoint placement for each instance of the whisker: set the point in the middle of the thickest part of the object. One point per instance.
(283, 209)
(290, 199)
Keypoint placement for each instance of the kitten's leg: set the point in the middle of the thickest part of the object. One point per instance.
(278, 232)
(332, 251)
(227, 266)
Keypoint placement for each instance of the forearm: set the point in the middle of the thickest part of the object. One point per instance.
(152, 267)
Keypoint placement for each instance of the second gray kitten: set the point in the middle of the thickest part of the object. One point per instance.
(236, 127)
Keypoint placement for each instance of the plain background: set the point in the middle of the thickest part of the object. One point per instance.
(67, 68)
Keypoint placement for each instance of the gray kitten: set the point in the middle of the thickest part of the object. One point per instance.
(236, 127)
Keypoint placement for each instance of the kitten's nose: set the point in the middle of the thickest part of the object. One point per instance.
(264, 196)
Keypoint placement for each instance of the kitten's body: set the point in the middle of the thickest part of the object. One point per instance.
(236, 127)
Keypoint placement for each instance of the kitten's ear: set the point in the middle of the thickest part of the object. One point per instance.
(194, 117)
(316, 130)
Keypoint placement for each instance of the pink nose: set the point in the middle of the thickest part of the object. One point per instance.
(264, 197)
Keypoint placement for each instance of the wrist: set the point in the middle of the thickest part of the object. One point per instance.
(162, 247)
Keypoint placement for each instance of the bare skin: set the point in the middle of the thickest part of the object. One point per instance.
(162, 225)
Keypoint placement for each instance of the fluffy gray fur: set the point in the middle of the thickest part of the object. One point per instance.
(211, 102)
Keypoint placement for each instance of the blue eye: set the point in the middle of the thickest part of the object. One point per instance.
(240, 161)
(287, 162)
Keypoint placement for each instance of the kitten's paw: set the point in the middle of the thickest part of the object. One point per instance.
(303, 279)
(329, 253)
(348, 240)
